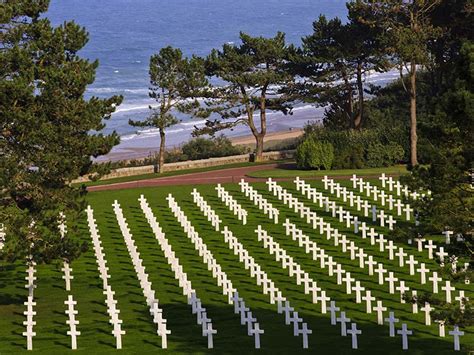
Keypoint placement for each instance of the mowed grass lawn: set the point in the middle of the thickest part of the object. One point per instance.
(290, 171)
(141, 337)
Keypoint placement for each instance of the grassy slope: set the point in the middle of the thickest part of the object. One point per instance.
(231, 338)
(171, 173)
(286, 172)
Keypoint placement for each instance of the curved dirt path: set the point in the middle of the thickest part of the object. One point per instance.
(232, 175)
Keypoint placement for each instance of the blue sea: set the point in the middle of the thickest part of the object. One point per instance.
(123, 34)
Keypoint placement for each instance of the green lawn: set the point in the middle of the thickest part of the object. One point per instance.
(171, 173)
(186, 336)
(290, 171)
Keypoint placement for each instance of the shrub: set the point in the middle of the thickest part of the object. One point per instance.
(384, 155)
(203, 148)
(368, 148)
(312, 154)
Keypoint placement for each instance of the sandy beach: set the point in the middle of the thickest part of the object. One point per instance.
(270, 137)
(143, 152)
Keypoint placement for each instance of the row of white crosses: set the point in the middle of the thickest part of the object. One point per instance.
(3, 235)
(246, 318)
(335, 269)
(389, 181)
(101, 261)
(371, 191)
(29, 323)
(412, 261)
(420, 241)
(208, 211)
(30, 313)
(71, 312)
(318, 253)
(152, 302)
(395, 186)
(391, 248)
(232, 204)
(391, 279)
(268, 286)
(384, 219)
(179, 274)
(311, 287)
(339, 240)
(306, 189)
(66, 269)
(259, 200)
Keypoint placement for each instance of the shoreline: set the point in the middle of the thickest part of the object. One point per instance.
(269, 137)
(137, 153)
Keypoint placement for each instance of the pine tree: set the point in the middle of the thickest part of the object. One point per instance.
(254, 77)
(334, 60)
(45, 125)
(174, 81)
(408, 29)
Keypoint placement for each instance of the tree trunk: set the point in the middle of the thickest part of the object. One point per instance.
(161, 158)
(259, 147)
(259, 137)
(350, 103)
(413, 134)
(360, 88)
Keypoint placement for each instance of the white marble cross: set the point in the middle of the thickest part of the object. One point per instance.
(333, 309)
(74, 333)
(456, 333)
(295, 320)
(404, 332)
(354, 332)
(343, 320)
(379, 309)
(67, 275)
(256, 331)
(391, 279)
(435, 279)
(391, 320)
(358, 290)
(304, 331)
(441, 254)
(448, 234)
(323, 299)
(368, 298)
(448, 289)
(117, 333)
(441, 328)
(431, 247)
(209, 332)
(29, 334)
(427, 309)
(401, 257)
(380, 271)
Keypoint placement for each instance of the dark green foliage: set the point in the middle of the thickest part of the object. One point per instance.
(45, 130)
(449, 134)
(358, 149)
(175, 81)
(379, 155)
(255, 76)
(313, 154)
(202, 148)
(451, 313)
(333, 60)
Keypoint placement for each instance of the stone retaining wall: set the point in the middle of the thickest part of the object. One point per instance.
(193, 164)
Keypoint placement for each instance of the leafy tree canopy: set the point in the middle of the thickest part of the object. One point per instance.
(45, 129)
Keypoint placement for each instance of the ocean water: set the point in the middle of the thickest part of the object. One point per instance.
(123, 34)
